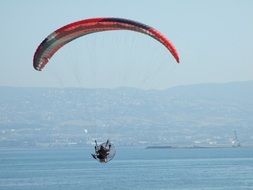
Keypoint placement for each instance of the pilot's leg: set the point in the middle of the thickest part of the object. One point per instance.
(94, 156)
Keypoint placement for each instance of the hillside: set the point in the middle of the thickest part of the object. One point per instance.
(194, 114)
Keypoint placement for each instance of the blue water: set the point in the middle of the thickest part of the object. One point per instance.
(132, 168)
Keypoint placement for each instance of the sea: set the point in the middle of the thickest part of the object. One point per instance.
(133, 168)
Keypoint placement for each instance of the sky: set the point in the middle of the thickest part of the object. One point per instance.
(214, 39)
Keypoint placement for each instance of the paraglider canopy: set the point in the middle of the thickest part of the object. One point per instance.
(52, 43)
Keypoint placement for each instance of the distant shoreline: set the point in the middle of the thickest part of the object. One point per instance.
(189, 147)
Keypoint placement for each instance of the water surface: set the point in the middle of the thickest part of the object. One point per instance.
(132, 168)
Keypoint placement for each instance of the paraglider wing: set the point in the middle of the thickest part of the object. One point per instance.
(67, 33)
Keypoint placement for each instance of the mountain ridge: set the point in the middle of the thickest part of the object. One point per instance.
(193, 114)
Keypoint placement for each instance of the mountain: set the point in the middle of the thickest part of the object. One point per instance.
(193, 114)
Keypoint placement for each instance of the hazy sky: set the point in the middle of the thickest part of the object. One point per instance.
(214, 39)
